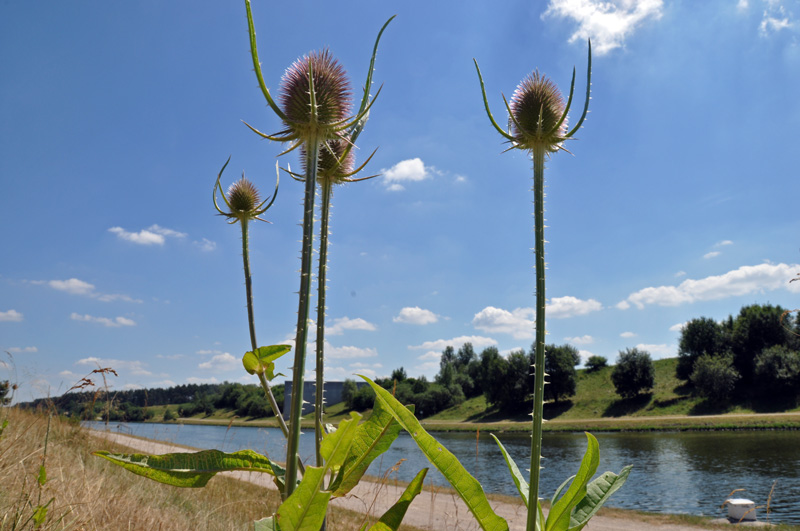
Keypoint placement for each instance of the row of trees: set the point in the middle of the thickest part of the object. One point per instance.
(753, 355)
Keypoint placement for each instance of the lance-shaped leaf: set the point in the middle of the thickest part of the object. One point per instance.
(597, 493)
(462, 481)
(262, 361)
(192, 469)
(516, 475)
(266, 524)
(305, 509)
(392, 518)
(558, 519)
(373, 438)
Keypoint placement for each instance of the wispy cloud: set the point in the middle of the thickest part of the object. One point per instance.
(348, 352)
(339, 325)
(105, 321)
(19, 350)
(206, 245)
(123, 367)
(11, 316)
(712, 254)
(581, 340)
(196, 380)
(75, 286)
(627, 334)
(416, 315)
(742, 281)
(405, 171)
(479, 342)
(221, 362)
(608, 23)
(153, 235)
(775, 18)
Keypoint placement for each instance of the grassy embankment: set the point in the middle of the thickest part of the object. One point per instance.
(88, 492)
(595, 406)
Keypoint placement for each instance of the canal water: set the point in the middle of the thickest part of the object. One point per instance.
(674, 472)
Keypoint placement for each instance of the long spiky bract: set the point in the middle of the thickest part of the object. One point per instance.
(537, 124)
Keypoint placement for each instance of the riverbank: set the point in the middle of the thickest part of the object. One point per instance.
(439, 509)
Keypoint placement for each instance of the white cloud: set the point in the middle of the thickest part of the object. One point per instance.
(68, 374)
(430, 355)
(585, 355)
(170, 356)
(712, 254)
(775, 18)
(16, 350)
(582, 340)
(105, 321)
(209, 352)
(345, 323)
(411, 170)
(206, 245)
(195, 380)
(658, 351)
(627, 334)
(563, 307)
(221, 362)
(416, 315)
(153, 235)
(680, 274)
(723, 243)
(11, 316)
(677, 327)
(742, 281)
(478, 342)
(349, 352)
(132, 386)
(518, 322)
(75, 286)
(135, 368)
(608, 23)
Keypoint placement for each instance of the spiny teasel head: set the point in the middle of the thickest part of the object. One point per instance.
(242, 199)
(537, 107)
(336, 161)
(537, 114)
(315, 112)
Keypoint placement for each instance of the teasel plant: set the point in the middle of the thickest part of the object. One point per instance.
(537, 124)
(315, 109)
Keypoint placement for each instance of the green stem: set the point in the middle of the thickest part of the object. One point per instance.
(538, 368)
(248, 285)
(301, 338)
(321, 287)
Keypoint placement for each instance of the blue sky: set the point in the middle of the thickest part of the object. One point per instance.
(679, 201)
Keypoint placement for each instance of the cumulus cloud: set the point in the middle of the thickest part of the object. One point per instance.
(478, 342)
(658, 351)
(742, 281)
(105, 321)
(153, 235)
(677, 327)
(518, 323)
(76, 286)
(347, 352)
(582, 340)
(341, 324)
(411, 170)
(416, 315)
(608, 23)
(221, 362)
(627, 334)
(11, 316)
(430, 355)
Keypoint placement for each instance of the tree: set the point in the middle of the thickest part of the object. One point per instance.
(595, 363)
(448, 357)
(756, 328)
(699, 336)
(491, 375)
(714, 377)
(349, 389)
(559, 364)
(634, 373)
(777, 372)
(399, 375)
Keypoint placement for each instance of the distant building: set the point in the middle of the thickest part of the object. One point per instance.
(332, 395)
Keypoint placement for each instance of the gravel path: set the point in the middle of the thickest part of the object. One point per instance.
(430, 510)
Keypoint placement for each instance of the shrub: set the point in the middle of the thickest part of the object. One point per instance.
(777, 372)
(595, 363)
(714, 377)
(634, 373)
(169, 415)
(559, 364)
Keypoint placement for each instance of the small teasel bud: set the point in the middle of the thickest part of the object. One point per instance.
(336, 160)
(332, 94)
(243, 198)
(536, 108)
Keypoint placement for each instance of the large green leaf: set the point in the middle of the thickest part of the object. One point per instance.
(516, 475)
(266, 524)
(191, 469)
(462, 481)
(558, 519)
(262, 360)
(597, 493)
(373, 438)
(392, 518)
(305, 509)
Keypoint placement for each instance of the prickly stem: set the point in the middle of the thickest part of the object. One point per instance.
(321, 286)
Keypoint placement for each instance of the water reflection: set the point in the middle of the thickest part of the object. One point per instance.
(689, 472)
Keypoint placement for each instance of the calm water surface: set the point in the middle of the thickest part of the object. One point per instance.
(689, 472)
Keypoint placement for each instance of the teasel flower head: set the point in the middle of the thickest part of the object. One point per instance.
(537, 113)
(336, 164)
(315, 96)
(242, 199)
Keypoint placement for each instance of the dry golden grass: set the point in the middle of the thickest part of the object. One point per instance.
(90, 493)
